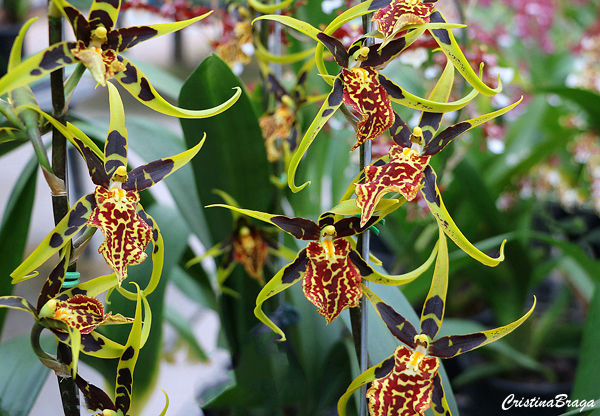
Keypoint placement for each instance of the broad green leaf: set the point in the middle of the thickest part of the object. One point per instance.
(233, 158)
(589, 101)
(23, 376)
(15, 227)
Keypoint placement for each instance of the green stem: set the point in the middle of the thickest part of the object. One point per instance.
(60, 204)
(73, 80)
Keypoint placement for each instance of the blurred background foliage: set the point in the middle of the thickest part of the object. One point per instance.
(531, 177)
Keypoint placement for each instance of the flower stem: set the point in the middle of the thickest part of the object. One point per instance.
(359, 316)
(60, 204)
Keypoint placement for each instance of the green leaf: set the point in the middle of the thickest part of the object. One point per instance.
(15, 227)
(234, 157)
(587, 378)
(589, 101)
(23, 376)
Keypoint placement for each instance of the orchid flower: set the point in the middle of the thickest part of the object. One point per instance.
(407, 169)
(247, 245)
(329, 267)
(114, 205)
(408, 382)
(73, 316)
(394, 16)
(98, 47)
(280, 126)
(360, 86)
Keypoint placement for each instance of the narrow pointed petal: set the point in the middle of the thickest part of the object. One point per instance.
(441, 140)
(377, 371)
(407, 389)
(384, 279)
(400, 132)
(403, 97)
(78, 22)
(55, 279)
(269, 8)
(66, 229)
(16, 51)
(299, 25)
(453, 345)
(124, 383)
(92, 155)
(435, 303)
(439, 404)
(300, 228)
(336, 48)
(332, 282)
(403, 174)
(379, 57)
(287, 276)
(399, 326)
(134, 81)
(329, 107)
(149, 174)
(90, 288)
(116, 148)
(17, 302)
(94, 344)
(39, 65)
(126, 234)
(430, 121)
(434, 201)
(449, 46)
(105, 13)
(120, 40)
(95, 398)
(262, 53)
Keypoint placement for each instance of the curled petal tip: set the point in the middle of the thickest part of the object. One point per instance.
(296, 189)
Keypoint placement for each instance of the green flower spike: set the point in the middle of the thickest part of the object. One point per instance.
(408, 383)
(407, 168)
(114, 206)
(360, 86)
(330, 268)
(98, 47)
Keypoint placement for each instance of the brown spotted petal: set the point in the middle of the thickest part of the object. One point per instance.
(251, 250)
(332, 281)
(403, 174)
(364, 93)
(126, 234)
(80, 312)
(400, 13)
(407, 389)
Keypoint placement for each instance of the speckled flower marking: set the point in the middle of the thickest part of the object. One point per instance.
(407, 389)
(126, 234)
(400, 13)
(251, 250)
(80, 312)
(403, 174)
(364, 93)
(332, 281)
